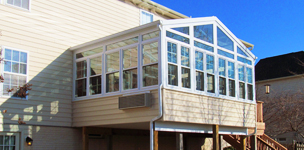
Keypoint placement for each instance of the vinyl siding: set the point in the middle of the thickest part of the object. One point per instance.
(192, 108)
(46, 32)
(104, 111)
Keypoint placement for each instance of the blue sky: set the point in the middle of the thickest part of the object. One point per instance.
(275, 27)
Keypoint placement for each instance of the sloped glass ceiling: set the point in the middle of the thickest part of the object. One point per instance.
(239, 51)
(204, 32)
(223, 40)
(184, 30)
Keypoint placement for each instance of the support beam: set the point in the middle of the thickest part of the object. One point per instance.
(253, 142)
(215, 129)
(155, 138)
(179, 141)
(220, 142)
(85, 139)
(109, 142)
(243, 142)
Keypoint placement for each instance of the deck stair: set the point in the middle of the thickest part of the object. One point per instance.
(264, 142)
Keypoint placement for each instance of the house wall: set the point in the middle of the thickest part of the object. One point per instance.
(46, 32)
(46, 137)
(280, 86)
(186, 107)
(104, 111)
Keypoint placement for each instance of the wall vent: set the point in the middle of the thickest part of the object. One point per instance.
(133, 101)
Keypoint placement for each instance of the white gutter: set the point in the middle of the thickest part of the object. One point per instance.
(160, 102)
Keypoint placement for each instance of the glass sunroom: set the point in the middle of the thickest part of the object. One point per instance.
(197, 55)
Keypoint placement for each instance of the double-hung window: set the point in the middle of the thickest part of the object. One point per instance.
(172, 64)
(210, 73)
(222, 76)
(231, 79)
(9, 141)
(81, 80)
(241, 71)
(199, 67)
(150, 64)
(185, 67)
(95, 75)
(112, 72)
(249, 84)
(25, 4)
(130, 68)
(15, 71)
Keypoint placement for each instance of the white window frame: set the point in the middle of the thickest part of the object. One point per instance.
(17, 7)
(103, 54)
(2, 71)
(17, 139)
(141, 16)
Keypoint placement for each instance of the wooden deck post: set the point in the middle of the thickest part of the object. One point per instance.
(85, 139)
(215, 129)
(243, 142)
(109, 142)
(179, 141)
(155, 138)
(253, 143)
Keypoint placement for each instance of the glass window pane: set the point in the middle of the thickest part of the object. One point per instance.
(22, 80)
(150, 75)
(210, 83)
(222, 67)
(241, 73)
(17, 3)
(1, 148)
(239, 51)
(172, 75)
(7, 66)
(10, 2)
(1, 139)
(95, 85)
(112, 82)
(122, 43)
(199, 63)
(223, 40)
(199, 81)
(244, 60)
(15, 56)
(23, 57)
(177, 37)
(150, 35)
(12, 140)
(203, 46)
(90, 52)
(249, 75)
(150, 53)
(112, 62)
(230, 69)
(210, 64)
(146, 18)
(81, 68)
(226, 54)
(15, 67)
(250, 92)
(186, 78)
(25, 4)
(6, 148)
(204, 32)
(95, 64)
(5, 90)
(130, 79)
(232, 88)
(7, 78)
(185, 56)
(12, 147)
(172, 52)
(222, 86)
(130, 58)
(14, 79)
(8, 54)
(242, 90)
(81, 87)
(23, 68)
(6, 140)
(184, 30)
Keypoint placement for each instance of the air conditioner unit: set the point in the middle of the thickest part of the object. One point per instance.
(134, 101)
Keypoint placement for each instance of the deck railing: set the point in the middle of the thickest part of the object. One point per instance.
(259, 111)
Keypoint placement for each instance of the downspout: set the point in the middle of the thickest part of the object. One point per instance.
(160, 102)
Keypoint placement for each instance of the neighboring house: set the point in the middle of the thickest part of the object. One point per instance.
(284, 76)
(130, 84)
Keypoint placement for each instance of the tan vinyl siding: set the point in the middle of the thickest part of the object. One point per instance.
(46, 32)
(193, 108)
(104, 111)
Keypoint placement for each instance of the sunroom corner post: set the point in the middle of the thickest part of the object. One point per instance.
(215, 136)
